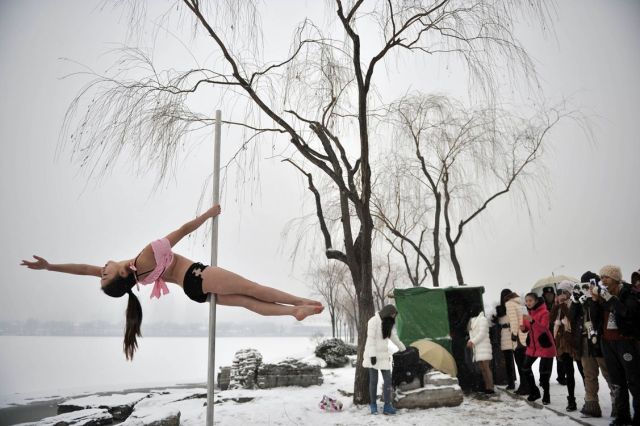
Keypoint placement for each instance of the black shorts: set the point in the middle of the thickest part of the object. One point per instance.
(192, 284)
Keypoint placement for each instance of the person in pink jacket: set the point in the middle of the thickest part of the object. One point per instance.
(539, 345)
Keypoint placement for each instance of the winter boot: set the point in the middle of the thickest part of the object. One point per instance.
(523, 389)
(571, 404)
(534, 394)
(546, 398)
(621, 421)
(374, 408)
(388, 409)
(591, 409)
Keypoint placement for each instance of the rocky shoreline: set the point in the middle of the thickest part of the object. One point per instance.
(40, 409)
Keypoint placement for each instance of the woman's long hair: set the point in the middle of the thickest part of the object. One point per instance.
(387, 326)
(118, 287)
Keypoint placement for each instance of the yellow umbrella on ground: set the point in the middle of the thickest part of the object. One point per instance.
(437, 356)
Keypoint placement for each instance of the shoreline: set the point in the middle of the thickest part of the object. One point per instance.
(40, 409)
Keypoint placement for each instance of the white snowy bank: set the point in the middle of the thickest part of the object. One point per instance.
(295, 405)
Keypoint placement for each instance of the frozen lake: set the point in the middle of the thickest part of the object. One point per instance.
(46, 366)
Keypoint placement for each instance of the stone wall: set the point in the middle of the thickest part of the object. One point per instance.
(289, 372)
(248, 372)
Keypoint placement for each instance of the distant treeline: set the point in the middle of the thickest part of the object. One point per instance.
(33, 327)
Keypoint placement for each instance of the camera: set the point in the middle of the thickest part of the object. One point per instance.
(591, 332)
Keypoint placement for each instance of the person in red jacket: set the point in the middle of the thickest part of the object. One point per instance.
(539, 345)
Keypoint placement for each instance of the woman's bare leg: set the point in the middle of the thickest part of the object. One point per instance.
(267, 308)
(220, 281)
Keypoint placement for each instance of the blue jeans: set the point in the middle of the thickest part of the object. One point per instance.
(373, 385)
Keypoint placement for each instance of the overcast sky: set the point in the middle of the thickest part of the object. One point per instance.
(49, 207)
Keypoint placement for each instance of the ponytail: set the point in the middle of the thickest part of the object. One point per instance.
(132, 327)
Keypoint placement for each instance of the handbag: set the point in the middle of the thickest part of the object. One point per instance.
(545, 340)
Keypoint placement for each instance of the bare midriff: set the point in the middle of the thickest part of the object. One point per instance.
(175, 273)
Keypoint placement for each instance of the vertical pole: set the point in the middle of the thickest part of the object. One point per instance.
(211, 370)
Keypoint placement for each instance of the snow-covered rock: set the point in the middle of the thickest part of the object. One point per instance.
(244, 369)
(154, 416)
(440, 390)
(119, 405)
(314, 360)
(163, 407)
(439, 379)
(429, 396)
(88, 417)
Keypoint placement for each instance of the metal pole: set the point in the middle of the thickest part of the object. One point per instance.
(211, 370)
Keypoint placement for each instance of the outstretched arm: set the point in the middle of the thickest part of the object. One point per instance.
(192, 225)
(67, 268)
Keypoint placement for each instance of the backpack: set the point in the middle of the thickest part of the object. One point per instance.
(407, 365)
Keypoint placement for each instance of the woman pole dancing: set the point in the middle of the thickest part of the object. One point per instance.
(157, 264)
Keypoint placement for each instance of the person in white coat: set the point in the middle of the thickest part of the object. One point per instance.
(481, 344)
(376, 355)
(513, 305)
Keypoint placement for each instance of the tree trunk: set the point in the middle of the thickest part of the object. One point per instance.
(456, 264)
(435, 276)
(365, 312)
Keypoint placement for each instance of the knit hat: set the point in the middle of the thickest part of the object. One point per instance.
(635, 275)
(548, 290)
(387, 311)
(611, 271)
(566, 285)
(588, 276)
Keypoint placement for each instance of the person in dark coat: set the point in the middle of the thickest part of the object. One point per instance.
(635, 281)
(620, 313)
(563, 337)
(587, 337)
(549, 297)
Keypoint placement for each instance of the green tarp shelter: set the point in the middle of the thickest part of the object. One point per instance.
(434, 313)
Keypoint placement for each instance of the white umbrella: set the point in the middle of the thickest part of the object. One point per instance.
(552, 281)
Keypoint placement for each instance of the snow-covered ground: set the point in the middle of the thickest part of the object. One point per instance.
(299, 406)
(281, 406)
(290, 406)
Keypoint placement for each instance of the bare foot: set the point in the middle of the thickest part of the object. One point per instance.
(301, 312)
(307, 302)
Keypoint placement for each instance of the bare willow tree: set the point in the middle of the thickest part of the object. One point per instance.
(406, 218)
(326, 281)
(470, 157)
(385, 279)
(318, 98)
(348, 311)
